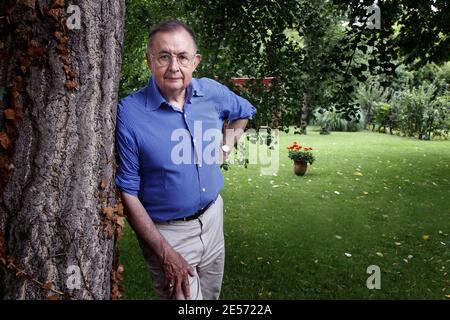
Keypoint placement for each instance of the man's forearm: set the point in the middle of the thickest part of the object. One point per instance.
(234, 131)
(176, 269)
(143, 225)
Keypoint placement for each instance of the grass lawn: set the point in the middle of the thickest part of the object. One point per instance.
(369, 199)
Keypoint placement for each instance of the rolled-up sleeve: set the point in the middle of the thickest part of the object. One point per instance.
(127, 176)
(235, 107)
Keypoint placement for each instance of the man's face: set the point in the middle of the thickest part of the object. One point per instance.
(173, 78)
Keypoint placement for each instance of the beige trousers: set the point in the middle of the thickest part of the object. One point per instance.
(201, 243)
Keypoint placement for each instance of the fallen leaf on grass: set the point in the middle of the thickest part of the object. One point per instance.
(426, 237)
(357, 173)
(379, 254)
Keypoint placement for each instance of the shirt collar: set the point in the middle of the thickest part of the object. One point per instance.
(196, 88)
(154, 98)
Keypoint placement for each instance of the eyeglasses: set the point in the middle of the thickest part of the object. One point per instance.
(164, 59)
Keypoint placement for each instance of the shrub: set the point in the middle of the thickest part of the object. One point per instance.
(423, 113)
(334, 120)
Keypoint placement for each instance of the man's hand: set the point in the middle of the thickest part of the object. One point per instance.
(233, 131)
(223, 157)
(177, 272)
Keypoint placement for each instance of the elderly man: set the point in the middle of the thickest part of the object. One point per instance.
(171, 193)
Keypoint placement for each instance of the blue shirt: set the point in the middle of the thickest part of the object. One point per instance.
(161, 149)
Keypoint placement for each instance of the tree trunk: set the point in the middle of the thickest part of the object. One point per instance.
(304, 116)
(57, 171)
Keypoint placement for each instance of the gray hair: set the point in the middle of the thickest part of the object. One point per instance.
(168, 26)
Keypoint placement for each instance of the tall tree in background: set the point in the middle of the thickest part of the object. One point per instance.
(424, 30)
(248, 39)
(58, 82)
(288, 40)
(319, 28)
(411, 32)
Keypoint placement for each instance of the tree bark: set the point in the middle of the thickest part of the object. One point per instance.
(61, 163)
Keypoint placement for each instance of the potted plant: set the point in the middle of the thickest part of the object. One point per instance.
(302, 157)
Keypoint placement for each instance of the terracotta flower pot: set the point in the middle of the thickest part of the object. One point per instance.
(300, 167)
